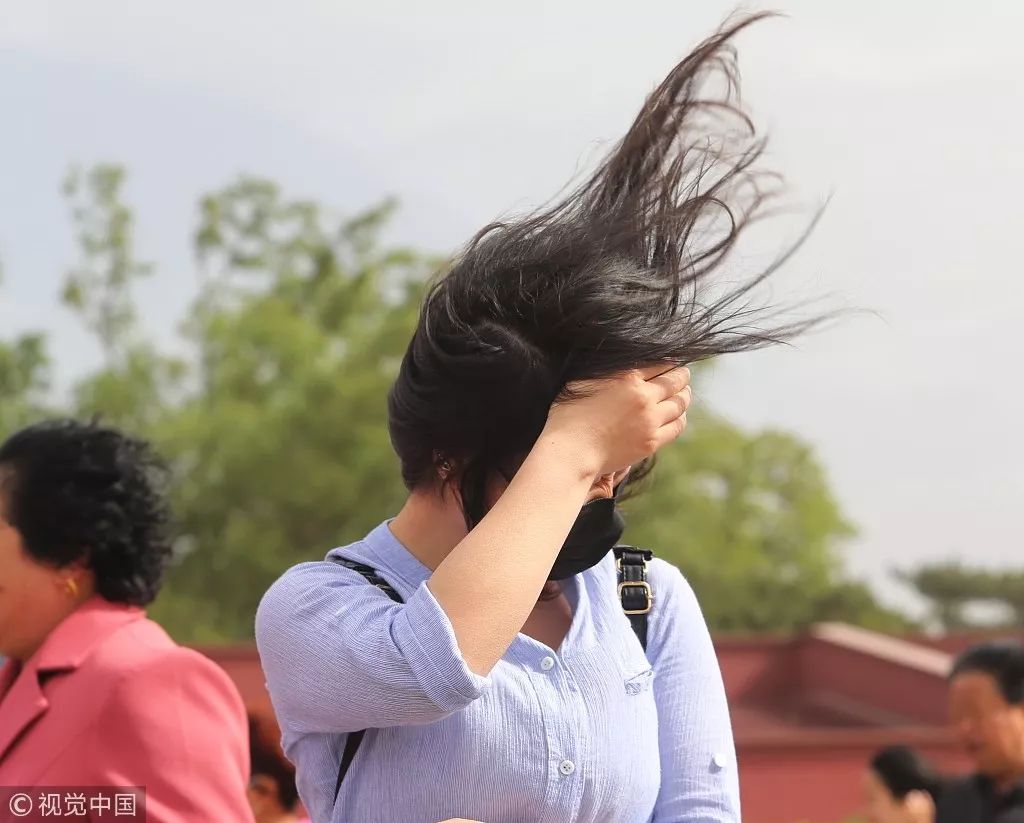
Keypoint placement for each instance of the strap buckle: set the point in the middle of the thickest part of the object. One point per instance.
(645, 590)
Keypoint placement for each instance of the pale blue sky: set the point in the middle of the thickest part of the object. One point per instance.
(908, 113)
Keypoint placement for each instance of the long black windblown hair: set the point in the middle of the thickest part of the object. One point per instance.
(624, 270)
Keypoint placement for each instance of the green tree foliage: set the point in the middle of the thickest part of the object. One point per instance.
(1007, 588)
(751, 521)
(100, 286)
(283, 451)
(134, 387)
(952, 588)
(274, 424)
(24, 379)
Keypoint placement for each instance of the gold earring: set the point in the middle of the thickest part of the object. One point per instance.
(71, 586)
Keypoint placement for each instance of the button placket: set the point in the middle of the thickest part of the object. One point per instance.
(570, 738)
(550, 678)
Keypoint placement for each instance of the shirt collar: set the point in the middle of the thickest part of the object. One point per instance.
(71, 641)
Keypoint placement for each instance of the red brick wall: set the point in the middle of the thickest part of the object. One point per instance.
(820, 781)
(891, 690)
(758, 670)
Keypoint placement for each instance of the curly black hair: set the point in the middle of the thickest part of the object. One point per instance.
(83, 491)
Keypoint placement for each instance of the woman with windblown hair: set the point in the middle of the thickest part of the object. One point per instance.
(491, 652)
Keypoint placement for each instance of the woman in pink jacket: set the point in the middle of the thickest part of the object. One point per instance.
(93, 693)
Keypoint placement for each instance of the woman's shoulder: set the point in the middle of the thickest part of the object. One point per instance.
(145, 647)
(672, 595)
(668, 579)
(142, 660)
(676, 608)
(169, 697)
(320, 592)
(134, 644)
(305, 579)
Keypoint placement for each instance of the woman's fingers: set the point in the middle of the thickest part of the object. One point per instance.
(670, 382)
(670, 431)
(675, 406)
(619, 420)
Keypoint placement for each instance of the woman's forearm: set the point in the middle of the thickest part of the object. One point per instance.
(489, 583)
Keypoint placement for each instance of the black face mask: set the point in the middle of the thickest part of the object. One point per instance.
(595, 533)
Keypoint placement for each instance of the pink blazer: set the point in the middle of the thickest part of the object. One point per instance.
(110, 700)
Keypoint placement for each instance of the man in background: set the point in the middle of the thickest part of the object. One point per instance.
(986, 704)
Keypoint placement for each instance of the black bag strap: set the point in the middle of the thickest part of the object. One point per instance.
(635, 594)
(371, 576)
(635, 591)
(354, 739)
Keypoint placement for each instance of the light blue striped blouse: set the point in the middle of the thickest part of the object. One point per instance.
(595, 731)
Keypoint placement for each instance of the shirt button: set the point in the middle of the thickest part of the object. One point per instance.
(567, 767)
(548, 663)
(718, 761)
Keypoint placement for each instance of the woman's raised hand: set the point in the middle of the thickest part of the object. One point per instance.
(621, 420)
(608, 425)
